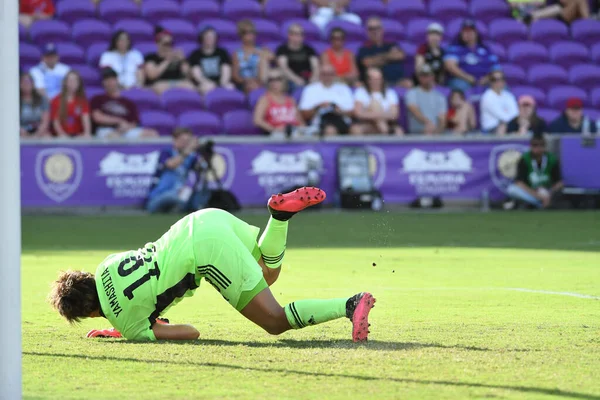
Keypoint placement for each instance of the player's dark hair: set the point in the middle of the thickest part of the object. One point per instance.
(74, 295)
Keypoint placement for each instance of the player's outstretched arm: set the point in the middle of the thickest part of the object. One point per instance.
(175, 332)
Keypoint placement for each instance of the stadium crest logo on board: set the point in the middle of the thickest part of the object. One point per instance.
(223, 164)
(58, 172)
(280, 171)
(128, 175)
(376, 165)
(437, 172)
(503, 163)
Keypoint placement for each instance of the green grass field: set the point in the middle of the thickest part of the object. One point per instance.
(452, 320)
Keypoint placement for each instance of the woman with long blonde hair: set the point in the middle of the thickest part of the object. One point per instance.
(70, 111)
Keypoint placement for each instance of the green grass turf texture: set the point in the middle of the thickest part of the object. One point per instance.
(444, 326)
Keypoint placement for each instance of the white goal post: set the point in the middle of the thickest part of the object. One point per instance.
(10, 205)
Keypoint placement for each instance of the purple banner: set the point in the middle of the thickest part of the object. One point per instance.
(580, 164)
(120, 175)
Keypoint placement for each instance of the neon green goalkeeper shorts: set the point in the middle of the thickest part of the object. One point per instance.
(227, 254)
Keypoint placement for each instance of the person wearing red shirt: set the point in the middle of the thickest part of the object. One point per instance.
(34, 10)
(69, 111)
(341, 58)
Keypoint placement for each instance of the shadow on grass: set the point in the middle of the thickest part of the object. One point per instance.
(522, 389)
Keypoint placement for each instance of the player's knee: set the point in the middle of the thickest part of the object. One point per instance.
(277, 324)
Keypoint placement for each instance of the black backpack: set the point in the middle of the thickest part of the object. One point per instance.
(222, 198)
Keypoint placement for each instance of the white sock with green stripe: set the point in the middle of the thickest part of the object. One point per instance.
(272, 242)
(302, 313)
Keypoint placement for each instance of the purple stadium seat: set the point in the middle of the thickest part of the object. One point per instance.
(595, 50)
(202, 123)
(266, 30)
(177, 101)
(239, 122)
(393, 31)
(94, 52)
(197, 10)
(567, 54)
(145, 99)
(155, 10)
(367, 8)
(45, 31)
(318, 46)
(92, 91)
(497, 49)
(547, 75)
(514, 74)
(446, 10)
(112, 11)
(416, 29)
(138, 29)
(548, 114)
(23, 34)
(489, 10)
(548, 31)
(254, 96)
(162, 121)
(584, 75)
(225, 29)
(595, 95)
(558, 95)
(222, 100)
(592, 114)
(75, 10)
(353, 31)
(507, 31)
(444, 90)
(586, 31)
(272, 46)
(28, 53)
(538, 94)
(241, 9)
(282, 10)
(182, 30)
(353, 46)
(297, 94)
(453, 28)
(187, 47)
(528, 53)
(231, 46)
(146, 47)
(88, 31)
(311, 31)
(89, 75)
(405, 11)
(70, 53)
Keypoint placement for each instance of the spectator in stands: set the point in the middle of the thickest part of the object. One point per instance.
(167, 68)
(211, 64)
(115, 116)
(340, 58)
(572, 120)
(381, 54)
(468, 62)
(432, 53)
(49, 73)
(325, 11)
(327, 104)
(426, 106)
(34, 10)
(565, 10)
(527, 122)
(297, 60)
(498, 106)
(125, 60)
(250, 65)
(461, 117)
(168, 191)
(34, 115)
(376, 107)
(276, 111)
(538, 180)
(69, 111)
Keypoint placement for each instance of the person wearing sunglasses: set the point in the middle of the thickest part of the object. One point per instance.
(378, 53)
(276, 111)
(297, 60)
(340, 58)
(538, 182)
(249, 63)
(498, 106)
(167, 68)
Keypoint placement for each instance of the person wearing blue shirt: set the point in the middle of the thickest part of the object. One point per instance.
(573, 121)
(174, 165)
(468, 61)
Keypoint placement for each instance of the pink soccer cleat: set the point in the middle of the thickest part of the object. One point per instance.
(284, 206)
(357, 309)
(104, 333)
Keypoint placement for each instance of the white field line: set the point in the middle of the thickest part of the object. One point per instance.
(571, 294)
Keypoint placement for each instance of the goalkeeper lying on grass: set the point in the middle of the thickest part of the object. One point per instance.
(133, 289)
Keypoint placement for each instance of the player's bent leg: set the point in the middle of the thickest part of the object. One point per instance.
(264, 310)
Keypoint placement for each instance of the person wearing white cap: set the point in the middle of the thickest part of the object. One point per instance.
(432, 53)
